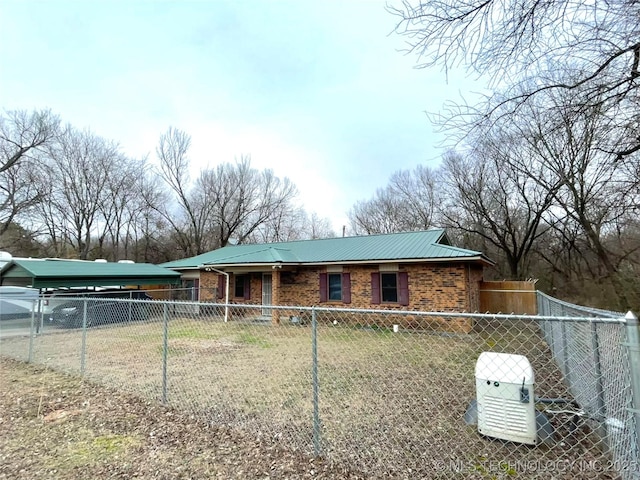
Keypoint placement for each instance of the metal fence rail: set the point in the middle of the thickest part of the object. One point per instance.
(385, 392)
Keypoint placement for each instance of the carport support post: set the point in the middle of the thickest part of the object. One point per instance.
(316, 385)
(633, 349)
(165, 351)
(83, 351)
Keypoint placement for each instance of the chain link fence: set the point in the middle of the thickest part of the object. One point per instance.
(387, 393)
(594, 358)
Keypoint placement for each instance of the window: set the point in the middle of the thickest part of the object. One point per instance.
(189, 290)
(390, 287)
(242, 286)
(193, 289)
(335, 287)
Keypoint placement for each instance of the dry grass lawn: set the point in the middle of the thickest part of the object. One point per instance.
(390, 404)
(56, 426)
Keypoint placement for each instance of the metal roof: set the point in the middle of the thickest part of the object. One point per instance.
(51, 273)
(429, 245)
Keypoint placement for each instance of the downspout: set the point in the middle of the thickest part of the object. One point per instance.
(226, 306)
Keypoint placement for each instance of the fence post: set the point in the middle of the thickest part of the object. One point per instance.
(565, 353)
(130, 306)
(316, 385)
(165, 351)
(33, 319)
(597, 371)
(83, 351)
(633, 350)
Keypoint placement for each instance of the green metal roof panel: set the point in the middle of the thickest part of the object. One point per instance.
(42, 273)
(429, 244)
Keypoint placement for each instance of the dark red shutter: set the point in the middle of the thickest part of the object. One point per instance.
(221, 285)
(247, 287)
(323, 287)
(375, 288)
(403, 288)
(196, 289)
(346, 287)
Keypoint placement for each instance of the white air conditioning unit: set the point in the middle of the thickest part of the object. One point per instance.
(505, 397)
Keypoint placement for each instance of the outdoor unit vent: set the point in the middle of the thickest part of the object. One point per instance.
(505, 398)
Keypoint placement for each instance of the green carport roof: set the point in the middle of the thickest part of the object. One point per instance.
(52, 273)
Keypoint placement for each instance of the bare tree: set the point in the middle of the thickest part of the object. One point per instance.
(407, 203)
(596, 192)
(194, 217)
(149, 230)
(120, 206)
(488, 198)
(418, 191)
(285, 226)
(81, 165)
(318, 227)
(590, 49)
(20, 191)
(289, 224)
(225, 202)
(377, 215)
(23, 135)
(243, 198)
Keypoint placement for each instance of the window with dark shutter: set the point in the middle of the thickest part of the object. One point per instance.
(389, 287)
(240, 290)
(247, 287)
(334, 282)
(323, 287)
(375, 288)
(195, 295)
(403, 288)
(346, 287)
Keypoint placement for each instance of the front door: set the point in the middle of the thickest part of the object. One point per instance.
(266, 293)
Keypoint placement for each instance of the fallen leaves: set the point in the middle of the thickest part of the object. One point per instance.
(88, 431)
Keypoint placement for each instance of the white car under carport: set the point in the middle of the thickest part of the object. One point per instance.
(17, 302)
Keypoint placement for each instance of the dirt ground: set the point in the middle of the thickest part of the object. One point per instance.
(55, 426)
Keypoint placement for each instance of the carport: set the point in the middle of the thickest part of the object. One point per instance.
(41, 274)
(58, 273)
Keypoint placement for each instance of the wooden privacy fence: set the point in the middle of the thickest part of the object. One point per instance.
(509, 297)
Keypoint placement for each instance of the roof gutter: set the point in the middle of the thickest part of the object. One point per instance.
(477, 258)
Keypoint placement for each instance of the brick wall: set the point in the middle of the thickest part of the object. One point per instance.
(301, 287)
(208, 286)
(444, 287)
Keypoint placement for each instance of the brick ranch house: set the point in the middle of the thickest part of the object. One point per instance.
(400, 271)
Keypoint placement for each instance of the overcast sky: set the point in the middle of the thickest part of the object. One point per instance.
(318, 91)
